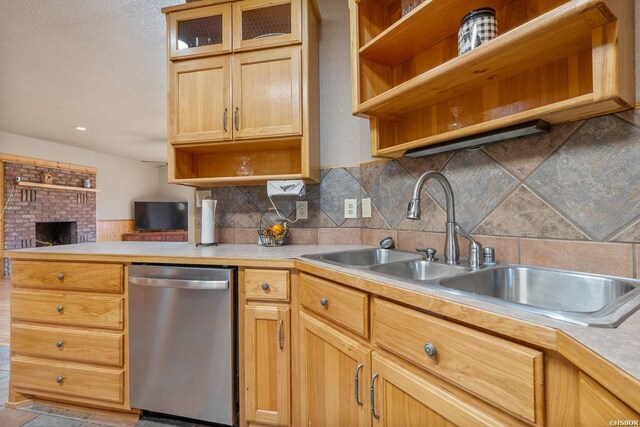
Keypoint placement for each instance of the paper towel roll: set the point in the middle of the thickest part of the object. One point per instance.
(208, 222)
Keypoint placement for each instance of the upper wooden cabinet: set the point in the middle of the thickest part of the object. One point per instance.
(254, 95)
(555, 60)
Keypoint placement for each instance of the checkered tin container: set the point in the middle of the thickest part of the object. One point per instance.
(477, 27)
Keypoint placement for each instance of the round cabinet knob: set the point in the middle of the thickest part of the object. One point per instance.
(430, 349)
(59, 380)
(265, 286)
(59, 309)
(60, 276)
(59, 344)
(324, 301)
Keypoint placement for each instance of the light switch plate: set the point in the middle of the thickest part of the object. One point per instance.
(366, 208)
(202, 195)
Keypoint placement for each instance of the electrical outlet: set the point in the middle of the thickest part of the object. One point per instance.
(201, 195)
(351, 208)
(301, 210)
(366, 208)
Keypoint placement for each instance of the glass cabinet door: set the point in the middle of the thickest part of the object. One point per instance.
(201, 31)
(259, 23)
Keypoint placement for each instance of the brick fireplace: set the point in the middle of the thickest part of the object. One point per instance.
(36, 216)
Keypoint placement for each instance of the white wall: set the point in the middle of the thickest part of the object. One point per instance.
(120, 180)
(344, 138)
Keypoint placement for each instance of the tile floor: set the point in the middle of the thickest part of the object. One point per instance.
(43, 416)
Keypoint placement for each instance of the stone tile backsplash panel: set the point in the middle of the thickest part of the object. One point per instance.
(593, 178)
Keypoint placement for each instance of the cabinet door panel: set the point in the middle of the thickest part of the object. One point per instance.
(267, 93)
(201, 31)
(405, 399)
(267, 359)
(200, 100)
(261, 23)
(329, 363)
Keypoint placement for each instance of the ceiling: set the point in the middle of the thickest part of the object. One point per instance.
(94, 63)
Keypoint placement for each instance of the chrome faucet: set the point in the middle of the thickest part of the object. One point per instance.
(451, 251)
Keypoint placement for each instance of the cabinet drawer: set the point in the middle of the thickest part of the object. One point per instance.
(345, 306)
(74, 345)
(68, 309)
(276, 283)
(67, 275)
(33, 376)
(504, 373)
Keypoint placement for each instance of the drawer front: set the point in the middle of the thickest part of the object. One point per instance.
(67, 275)
(74, 345)
(266, 284)
(33, 376)
(345, 306)
(504, 373)
(68, 309)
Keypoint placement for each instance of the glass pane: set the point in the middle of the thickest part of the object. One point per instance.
(267, 21)
(200, 32)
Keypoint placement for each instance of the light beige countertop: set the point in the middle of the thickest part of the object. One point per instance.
(620, 346)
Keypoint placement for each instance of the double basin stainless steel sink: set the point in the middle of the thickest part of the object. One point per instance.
(581, 298)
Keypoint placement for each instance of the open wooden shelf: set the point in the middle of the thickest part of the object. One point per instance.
(555, 60)
(564, 31)
(408, 36)
(212, 164)
(56, 187)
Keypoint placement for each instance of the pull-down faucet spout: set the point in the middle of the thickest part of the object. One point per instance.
(451, 251)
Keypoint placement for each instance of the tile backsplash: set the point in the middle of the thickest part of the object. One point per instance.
(566, 199)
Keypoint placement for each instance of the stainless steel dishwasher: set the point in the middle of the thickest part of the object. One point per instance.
(182, 341)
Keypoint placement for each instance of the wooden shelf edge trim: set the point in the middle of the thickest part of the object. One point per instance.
(619, 382)
(57, 187)
(550, 25)
(540, 112)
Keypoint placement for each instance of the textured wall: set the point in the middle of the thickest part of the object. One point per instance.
(567, 199)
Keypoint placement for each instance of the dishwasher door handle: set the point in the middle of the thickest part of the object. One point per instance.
(177, 283)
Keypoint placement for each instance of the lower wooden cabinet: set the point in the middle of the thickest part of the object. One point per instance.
(69, 334)
(266, 342)
(335, 371)
(403, 398)
(267, 350)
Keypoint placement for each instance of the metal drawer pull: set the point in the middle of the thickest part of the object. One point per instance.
(265, 286)
(324, 301)
(59, 344)
(235, 119)
(60, 276)
(372, 397)
(430, 349)
(59, 380)
(280, 334)
(357, 385)
(59, 309)
(224, 120)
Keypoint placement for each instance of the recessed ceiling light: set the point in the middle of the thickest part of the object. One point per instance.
(81, 128)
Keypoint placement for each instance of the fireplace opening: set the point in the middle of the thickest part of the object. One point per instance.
(56, 233)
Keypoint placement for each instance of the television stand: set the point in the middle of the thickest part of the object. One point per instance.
(157, 236)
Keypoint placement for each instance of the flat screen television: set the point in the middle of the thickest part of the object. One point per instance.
(160, 216)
